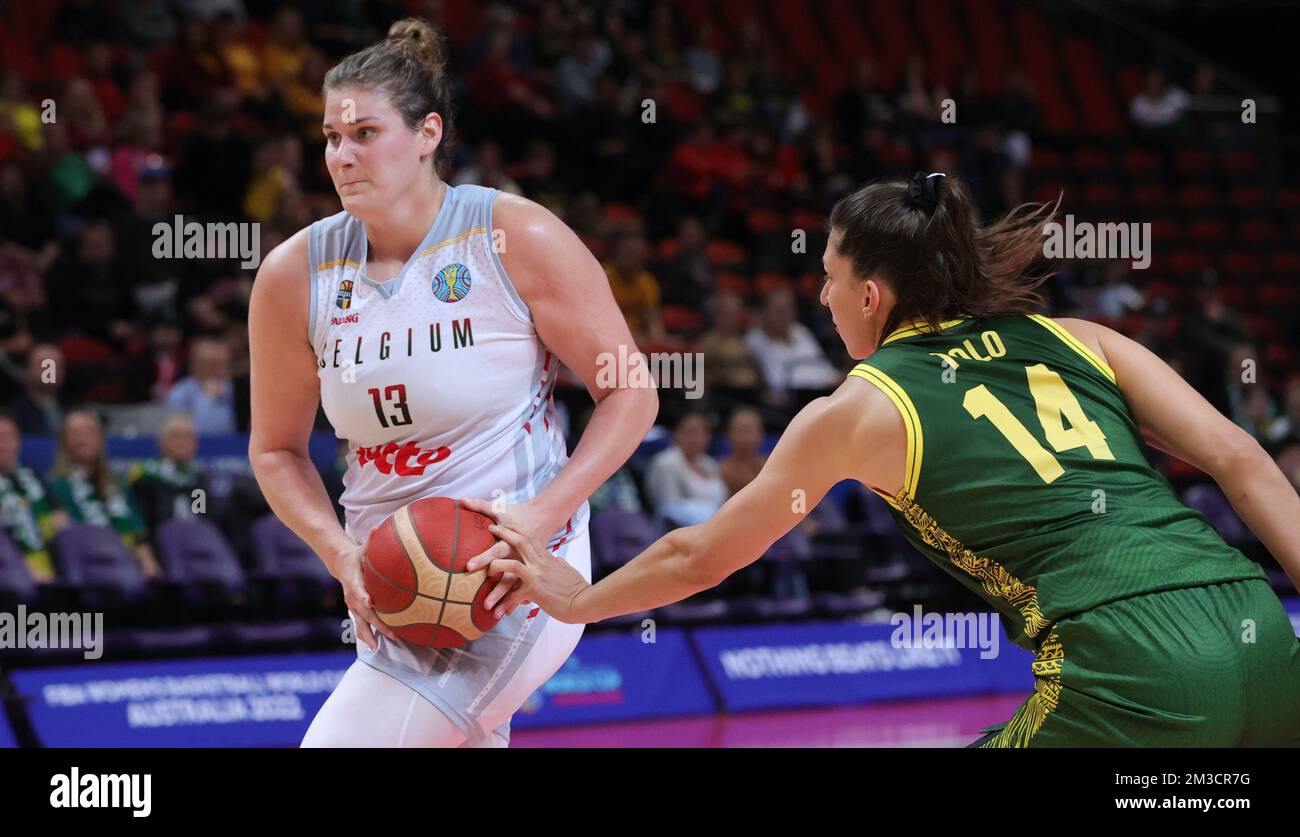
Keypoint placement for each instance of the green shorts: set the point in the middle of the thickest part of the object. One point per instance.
(1212, 666)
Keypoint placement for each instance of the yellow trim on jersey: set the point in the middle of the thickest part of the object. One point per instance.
(1030, 715)
(337, 263)
(427, 250)
(1074, 343)
(911, 422)
(918, 328)
(992, 576)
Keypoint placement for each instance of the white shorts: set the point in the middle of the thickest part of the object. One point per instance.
(473, 690)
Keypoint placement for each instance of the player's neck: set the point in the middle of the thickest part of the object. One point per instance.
(404, 226)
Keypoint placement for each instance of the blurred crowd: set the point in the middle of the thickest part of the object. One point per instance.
(688, 167)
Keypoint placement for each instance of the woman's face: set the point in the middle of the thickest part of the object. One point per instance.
(372, 157)
(178, 442)
(847, 297)
(693, 436)
(83, 439)
(745, 433)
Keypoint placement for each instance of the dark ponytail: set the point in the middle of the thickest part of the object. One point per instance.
(410, 67)
(923, 238)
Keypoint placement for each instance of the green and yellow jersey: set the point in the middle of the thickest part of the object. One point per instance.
(1026, 476)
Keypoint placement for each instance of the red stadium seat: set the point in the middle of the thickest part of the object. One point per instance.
(1207, 230)
(1197, 197)
(1242, 264)
(725, 253)
(1258, 230)
(1137, 161)
(734, 283)
(1246, 197)
(1149, 194)
(1193, 162)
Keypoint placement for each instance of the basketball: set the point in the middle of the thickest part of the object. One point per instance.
(414, 571)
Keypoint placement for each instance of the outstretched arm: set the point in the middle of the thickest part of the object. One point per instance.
(820, 447)
(1177, 419)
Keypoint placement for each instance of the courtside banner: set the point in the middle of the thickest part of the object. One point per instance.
(620, 677)
(229, 702)
(819, 664)
(7, 739)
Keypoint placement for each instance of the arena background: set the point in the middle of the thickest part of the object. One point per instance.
(691, 145)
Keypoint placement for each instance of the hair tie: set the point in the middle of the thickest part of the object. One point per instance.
(923, 190)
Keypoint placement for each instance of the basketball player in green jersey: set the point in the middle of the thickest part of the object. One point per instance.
(1009, 446)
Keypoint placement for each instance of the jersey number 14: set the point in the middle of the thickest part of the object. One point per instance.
(1054, 401)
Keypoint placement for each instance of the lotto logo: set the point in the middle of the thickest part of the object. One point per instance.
(406, 460)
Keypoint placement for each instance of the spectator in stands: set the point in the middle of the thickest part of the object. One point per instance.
(25, 215)
(1257, 413)
(488, 171)
(618, 492)
(730, 369)
(788, 354)
(89, 291)
(860, 105)
(577, 72)
(744, 461)
(17, 114)
(1288, 460)
(207, 393)
(688, 278)
(1158, 110)
(38, 411)
(84, 486)
(172, 485)
(635, 288)
(1290, 420)
(683, 482)
(26, 513)
(537, 180)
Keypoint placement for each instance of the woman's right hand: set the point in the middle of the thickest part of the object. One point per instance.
(346, 567)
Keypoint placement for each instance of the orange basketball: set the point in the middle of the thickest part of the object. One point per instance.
(414, 571)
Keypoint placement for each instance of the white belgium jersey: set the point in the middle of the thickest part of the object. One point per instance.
(436, 377)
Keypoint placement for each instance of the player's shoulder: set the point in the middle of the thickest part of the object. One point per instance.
(1087, 332)
(282, 278)
(866, 403)
(519, 214)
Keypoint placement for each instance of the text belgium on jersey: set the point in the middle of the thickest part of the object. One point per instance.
(355, 353)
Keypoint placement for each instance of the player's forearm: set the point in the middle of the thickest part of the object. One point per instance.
(295, 492)
(1266, 502)
(668, 571)
(618, 424)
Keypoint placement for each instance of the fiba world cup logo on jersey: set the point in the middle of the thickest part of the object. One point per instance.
(451, 284)
(344, 299)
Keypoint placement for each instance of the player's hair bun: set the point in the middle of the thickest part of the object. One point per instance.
(421, 41)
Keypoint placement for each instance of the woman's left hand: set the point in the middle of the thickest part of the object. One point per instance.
(528, 572)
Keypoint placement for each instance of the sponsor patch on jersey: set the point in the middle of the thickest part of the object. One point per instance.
(344, 299)
(408, 460)
(451, 284)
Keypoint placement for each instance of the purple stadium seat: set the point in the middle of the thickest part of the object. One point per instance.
(195, 552)
(94, 557)
(16, 582)
(279, 553)
(619, 536)
(1209, 501)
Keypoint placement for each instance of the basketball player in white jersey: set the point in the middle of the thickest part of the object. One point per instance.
(434, 354)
